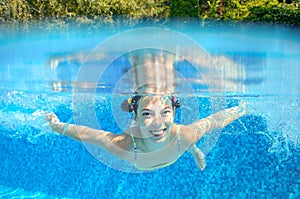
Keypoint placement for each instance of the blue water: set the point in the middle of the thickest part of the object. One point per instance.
(256, 156)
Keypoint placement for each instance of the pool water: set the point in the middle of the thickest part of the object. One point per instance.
(256, 156)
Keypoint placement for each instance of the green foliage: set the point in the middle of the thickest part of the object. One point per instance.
(275, 13)
(138, 8)
(184, 8)
(271, 11)
(41, 9)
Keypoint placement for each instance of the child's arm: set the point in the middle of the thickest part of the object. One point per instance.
(219, 120)
(115, 144)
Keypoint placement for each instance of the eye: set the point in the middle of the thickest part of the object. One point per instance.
(166, 112)
(146, 114)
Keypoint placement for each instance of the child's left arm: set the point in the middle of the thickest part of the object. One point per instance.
(219, 120)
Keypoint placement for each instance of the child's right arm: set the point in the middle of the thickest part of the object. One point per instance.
(113, 143)
(79, 133)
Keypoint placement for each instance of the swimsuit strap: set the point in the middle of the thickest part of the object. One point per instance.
(134, 147)
(178, 139)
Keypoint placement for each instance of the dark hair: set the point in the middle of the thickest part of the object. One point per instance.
(130, 104)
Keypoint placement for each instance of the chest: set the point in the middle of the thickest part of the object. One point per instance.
(158, 158)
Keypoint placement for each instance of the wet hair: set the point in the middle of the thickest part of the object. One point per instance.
(131, 104)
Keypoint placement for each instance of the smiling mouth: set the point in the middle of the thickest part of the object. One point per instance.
(157, 134)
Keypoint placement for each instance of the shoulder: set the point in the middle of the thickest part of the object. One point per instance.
(188, 133)
(121, 146)
(123, 141)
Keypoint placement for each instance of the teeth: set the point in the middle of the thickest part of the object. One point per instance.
(158, 132)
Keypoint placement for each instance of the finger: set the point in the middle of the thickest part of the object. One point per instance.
(48, 117)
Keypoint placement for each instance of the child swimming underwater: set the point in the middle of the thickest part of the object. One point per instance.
(153, 140)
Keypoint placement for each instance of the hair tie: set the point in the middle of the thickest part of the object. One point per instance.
(175, 102)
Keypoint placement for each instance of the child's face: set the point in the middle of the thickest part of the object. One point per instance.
(155, 116)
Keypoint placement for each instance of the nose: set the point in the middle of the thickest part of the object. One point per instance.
(157, 121)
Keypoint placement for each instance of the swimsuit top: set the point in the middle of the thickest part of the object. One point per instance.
(158, 166)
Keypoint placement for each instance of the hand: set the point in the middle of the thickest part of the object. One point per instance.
(52, 119)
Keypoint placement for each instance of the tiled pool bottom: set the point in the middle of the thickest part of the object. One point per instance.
(239, 166)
